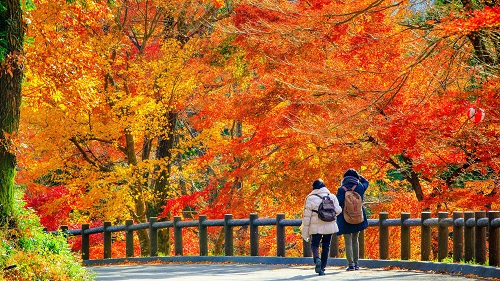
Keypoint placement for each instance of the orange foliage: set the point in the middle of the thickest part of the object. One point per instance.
(487, 18)
(256, 103)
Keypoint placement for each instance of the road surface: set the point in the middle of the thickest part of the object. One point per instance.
(255, 272)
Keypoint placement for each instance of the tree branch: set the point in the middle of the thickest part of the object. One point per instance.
(85, 155)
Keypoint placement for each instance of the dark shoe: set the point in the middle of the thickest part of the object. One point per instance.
(317, 268)
(350, 268)
(321, 273)
(356, 266)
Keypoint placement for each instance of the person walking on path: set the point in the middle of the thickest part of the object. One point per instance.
(352, 181)
(317, 230)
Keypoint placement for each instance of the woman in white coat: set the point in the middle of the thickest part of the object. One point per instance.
(315, 229)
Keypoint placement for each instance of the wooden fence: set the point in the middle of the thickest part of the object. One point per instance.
(476, 235)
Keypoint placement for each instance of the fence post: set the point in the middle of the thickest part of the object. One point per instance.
(383, 236)
(64, 231)
(228, 234)
(153, 238)
(405, 237)
(334, 246)
(425, 243)
(443, 234)
(129, 239)
(306, 246)
(254, 236)
(469, 238)
(361, 245)
(458, 237)
(85, 243)
(480, 239)
(107, 240)
(494, 242)
(177, 236)
(280, 236)
(203, 235)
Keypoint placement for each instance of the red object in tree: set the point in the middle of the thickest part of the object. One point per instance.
(478, 114)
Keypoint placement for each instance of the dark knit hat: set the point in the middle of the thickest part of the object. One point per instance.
(317, 184)
(351, 172)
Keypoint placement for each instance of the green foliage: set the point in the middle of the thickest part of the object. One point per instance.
(226, 49)
(391, 175)
(450, 260)
(3, 35)
(29, 41)
(32, 254)
(474, 175)
(467, 176)
(29, 5)
(3, 45)
(394, 174)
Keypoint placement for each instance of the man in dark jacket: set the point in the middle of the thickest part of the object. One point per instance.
(351, 231)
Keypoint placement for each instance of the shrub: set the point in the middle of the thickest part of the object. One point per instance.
(29, 253)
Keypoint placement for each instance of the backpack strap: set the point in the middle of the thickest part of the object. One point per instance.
(315, 211)
(351, 189)
(319, 195)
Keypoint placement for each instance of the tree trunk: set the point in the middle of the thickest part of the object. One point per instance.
(164, 151)
(409, 175)
(140, 206)
(11, 77)
(164, 244)
(142, 234)
(219, 243)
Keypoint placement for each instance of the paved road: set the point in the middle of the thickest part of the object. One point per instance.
(257, 272)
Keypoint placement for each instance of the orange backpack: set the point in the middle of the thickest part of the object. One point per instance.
(353, 206)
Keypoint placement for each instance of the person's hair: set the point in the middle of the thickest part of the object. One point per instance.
(351, 172)
(317, 184)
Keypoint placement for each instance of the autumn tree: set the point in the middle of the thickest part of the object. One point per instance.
(458, 53)
(206, 107)
(332, 86)
(372, 85)
(11, 78)
(111, 106)
(307, 80)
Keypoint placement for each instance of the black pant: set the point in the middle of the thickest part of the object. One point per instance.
(325, 240)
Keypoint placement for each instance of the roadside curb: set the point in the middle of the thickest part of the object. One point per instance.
(447, 268)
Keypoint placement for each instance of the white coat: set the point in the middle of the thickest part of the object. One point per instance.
(311, 224)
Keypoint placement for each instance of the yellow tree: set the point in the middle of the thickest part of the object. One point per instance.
(106, 85)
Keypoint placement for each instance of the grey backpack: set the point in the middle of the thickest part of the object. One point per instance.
(326, 209)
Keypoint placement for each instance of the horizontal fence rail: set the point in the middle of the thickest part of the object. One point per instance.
(474, 235)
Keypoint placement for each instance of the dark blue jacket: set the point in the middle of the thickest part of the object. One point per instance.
(361, 187)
